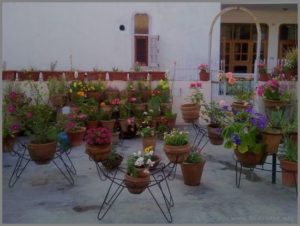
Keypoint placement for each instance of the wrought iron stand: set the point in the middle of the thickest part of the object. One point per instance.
(23, 160)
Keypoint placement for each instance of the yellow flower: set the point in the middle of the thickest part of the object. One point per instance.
(70, 91)
(161, 82)
(148, 149)
(80, 93)
(75, 84)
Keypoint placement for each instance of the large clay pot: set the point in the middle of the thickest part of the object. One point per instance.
(250, 159)
(192, 172)
(98, 152)
(214, 134)
(52, 75)
(42, 153)
(289, 172)
(145, 94)
(204, 76)
(109, 124)
(149, 141)
(272, 139)
(190, 112)
(76, 137)
(294, 137)
(275, 104)
(136, 185)
(177, 154)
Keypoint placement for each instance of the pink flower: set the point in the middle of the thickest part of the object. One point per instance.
(229, 75)
(11, 108)
(222, 103)
(12, 95)
(132, 99)
(231, 81)
(29, 115)
(115, 101)
(15, 128)
(71, 125)
(260, 90)
(192, 85)
(82, 116)
(199, 84)
(203, 67)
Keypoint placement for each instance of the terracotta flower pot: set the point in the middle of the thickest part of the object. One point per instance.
(149, 141)
(42, 153)
(109, 124)
(192, 172)
(214, 134)
(95, 75)
(28, 75)
(142, 75)
(136, 185)
(272, 139)
(98, 152)
(112, 164)
(76, 137)
(92, 124)
(294, 137)
(289, 172)
(250, 159)
(52, 75)
(69, 75)
(124, 124)
(177, 154)
(165, 107)
(171, 123)
(190, 112)
(275, 104)
(9, 75)
(204, 76)
(239, 106)
(117, 75)
(264, 77)
(157, 75)
(8, 143)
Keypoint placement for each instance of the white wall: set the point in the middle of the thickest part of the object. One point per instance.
(273, 18)
(35, 34)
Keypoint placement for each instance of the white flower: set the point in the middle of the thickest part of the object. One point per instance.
(222, 103)
(139, 153)
(134, 154)
(139, 161)
(150, 163)
(245, 130)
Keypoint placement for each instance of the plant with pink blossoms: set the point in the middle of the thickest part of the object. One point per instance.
(196, 96)
(203, 67)
(75, 121)
(274, 90)
(98, 136)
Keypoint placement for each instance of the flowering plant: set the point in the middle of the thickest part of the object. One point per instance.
(95, 86)
(77, 86)
(196, 96)
(98, 136)
(176, 138)
(262, 69)
(243, 133)
(76, 120)
(273, 90)
(139, 160)
(203, 67)
(146, 131)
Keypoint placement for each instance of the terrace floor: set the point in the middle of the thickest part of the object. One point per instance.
(42, 195)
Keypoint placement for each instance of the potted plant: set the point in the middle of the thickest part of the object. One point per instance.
(95, 89)
(153, 157)
(163, 91)
(243, 135)
(116, 74)
(57, 92)
(216, 115)
(112, 93)
(91, 110)
(107, 121)
(176, 146)
(124, 116)
(148, 136)
(77, 92)
(10, 129)
(96, 74)
(190, 112)
(161, 130)
(192, 168)
(154, 109)
(289, 163)
(112, 161)
(98, 143)
(171, 119)
(137, 74)
(263, 74)
(275, 94)
(137, 177)
(75, 128)
(290, 66)
(143, 90)
(203, 72)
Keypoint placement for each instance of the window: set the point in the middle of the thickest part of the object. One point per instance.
(238, 46)
(288, 37)
(141, 34)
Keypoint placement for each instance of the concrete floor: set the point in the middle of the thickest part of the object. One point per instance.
(42, 195)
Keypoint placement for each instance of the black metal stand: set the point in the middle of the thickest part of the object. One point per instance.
(201, 138)
(24, 158)
(159, 178)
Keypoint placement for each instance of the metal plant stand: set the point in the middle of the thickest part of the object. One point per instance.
(61, 160)
(159, 178)
(201, 138)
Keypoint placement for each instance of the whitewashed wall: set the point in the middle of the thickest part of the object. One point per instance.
(35, 34)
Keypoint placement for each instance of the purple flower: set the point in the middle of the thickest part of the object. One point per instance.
(15, 128)
(12, 95)
(259, 120)
(236, 139)
(260, 91)
(11, 108)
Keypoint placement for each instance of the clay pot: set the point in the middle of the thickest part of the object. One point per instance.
(76, 137)
(190, 112)
(117, 75)
(171, 123)
(289, 172)
(69, 75)
(214, 134)
(9, 75)
(136, 185)
(264, 77)
(250, 159)
(95, 75)
(177, 154)
(52, 75)
(42, 153)
(98, 152)
(239, 106)
(294, 137)
(272, 139)
(165, 107)
(142, 75)
(157, 75)
(204, 76)
(112, 164)
(109, 124)
(275, 104)
(92, 124)
(192, 172)
(28, 75)
(149, 141)
(124, 124)
(8, 143)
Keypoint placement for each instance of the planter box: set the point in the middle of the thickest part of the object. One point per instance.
(138, 75)
(157, 75)
(9, 75)
(117, 75)
(52, 74)
(30, 75)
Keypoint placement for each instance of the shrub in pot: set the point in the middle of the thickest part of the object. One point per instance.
(95, 89)
(148, 136)
(192, 168)
(112, 161)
